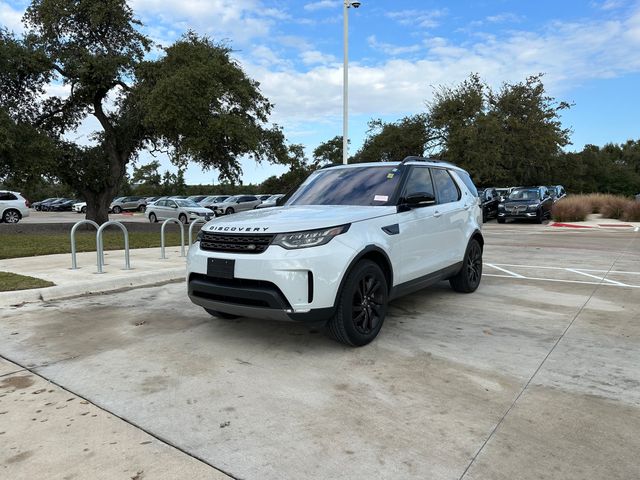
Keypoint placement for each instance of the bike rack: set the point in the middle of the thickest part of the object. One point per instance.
(193, 224)
(74, 262)
(164, 224)
(100, 245)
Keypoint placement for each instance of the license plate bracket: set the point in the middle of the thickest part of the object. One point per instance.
(221, 268)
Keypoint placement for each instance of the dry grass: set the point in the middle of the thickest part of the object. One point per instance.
(632, 212)
(572, 209)
(598, 200)
(614, 207)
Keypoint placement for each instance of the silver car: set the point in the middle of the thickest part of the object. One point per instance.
(182, 210)
(128, 203)
(238, 203)
(271, 201)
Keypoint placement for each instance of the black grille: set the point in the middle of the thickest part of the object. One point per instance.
(219, 242)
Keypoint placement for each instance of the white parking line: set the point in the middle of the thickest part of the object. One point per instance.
(561, 268)
(513, 274)
(560, 280)
(599, 278)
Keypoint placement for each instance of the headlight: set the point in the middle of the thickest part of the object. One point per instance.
(310, 238)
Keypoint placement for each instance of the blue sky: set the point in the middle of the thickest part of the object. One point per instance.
(400, 49)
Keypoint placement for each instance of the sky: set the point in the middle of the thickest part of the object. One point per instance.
(399, 50)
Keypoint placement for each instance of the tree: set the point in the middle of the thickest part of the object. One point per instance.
(510, 136)
(148, 174)
(194, 103)
(394, 141)
(329, 152)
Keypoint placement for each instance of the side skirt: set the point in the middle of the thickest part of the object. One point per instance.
(422, 282)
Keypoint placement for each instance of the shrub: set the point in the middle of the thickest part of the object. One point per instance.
(572, 209)
(598, 200)
(632, 212)
(614, 207)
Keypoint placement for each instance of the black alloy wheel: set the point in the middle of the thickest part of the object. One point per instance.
(361, 305)
(468, 278)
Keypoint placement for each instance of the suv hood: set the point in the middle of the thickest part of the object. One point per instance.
(295, 218)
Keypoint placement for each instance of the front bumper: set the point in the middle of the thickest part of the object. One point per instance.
(277, 284)
(517, 215)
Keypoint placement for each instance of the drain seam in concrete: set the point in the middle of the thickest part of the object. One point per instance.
(582, 307)
(127, 421)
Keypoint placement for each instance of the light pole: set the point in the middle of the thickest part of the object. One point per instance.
(345, 81)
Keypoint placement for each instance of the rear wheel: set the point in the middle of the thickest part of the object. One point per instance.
(362, 305)
(11, 216)
(229, 211)
(142, 208)
(501, 220)
(468, 278)
(83, 209)
(183, 218)
(153, 218)
(227, 316)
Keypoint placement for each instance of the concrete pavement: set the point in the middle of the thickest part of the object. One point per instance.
(528, 378)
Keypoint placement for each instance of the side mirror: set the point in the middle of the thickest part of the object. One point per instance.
(280, 201)
(419, 199)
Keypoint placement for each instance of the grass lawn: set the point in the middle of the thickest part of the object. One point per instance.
(29, 245)
(12, 281)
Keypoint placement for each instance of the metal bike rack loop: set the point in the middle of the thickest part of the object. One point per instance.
(193, 224)
(74, 262)
(100, 245)
(164, 224)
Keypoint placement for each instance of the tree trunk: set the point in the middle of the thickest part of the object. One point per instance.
(98, 205)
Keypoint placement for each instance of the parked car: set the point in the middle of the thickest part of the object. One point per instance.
(557, 192)
(128, 204)
(532, 203)
(263, 197)
(349, 240)
(38, 205)
(13, 207)
(180, 209)
(238, 203)
(271, 201)
(62, 206)
(210, 201)
(51, 206)
(79, 207)
(197, 198)
(489, 201)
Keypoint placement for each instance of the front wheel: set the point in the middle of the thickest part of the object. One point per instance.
(153, 218)
(468, 278)
(362, 305)
(83, 209)
(116, 210)
(501, 220)
(183, 219)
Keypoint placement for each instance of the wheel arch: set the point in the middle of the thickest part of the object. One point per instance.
(477, 235)
(11, 209)
(376, 255)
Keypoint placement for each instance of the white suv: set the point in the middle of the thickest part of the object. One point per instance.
(13, 207)
(344, 244)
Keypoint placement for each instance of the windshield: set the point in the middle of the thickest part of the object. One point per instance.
(362, 186)
(525, 194)
(186, 203)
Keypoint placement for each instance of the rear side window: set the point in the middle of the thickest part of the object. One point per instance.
(419, 181)
(466, 179)
(445, 186)
(7, 196)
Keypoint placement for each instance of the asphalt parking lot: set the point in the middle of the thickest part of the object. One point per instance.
(536, 375)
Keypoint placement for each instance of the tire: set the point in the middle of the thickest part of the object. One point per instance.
(229, 211)
(183, 218)
(83, 209)
(468, 278)
(501, 220)
(227, 316)
(539, 216)
(142, 208)
(153, 218)
(11, 216)
(116, 210)
(361, 307)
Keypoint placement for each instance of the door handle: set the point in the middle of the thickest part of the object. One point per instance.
(437, 214)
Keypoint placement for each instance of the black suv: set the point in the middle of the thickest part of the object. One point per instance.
(489, 201)
(532, 203)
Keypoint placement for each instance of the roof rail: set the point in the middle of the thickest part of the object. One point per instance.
(330, 165)
(415, 158)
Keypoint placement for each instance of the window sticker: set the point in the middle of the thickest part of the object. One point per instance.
(392, 173)
(381, 198)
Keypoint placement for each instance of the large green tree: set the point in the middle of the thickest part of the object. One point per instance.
(193, 102)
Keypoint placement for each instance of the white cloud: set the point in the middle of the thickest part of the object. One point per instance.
(392, 50)
(322, 4)
(504, 18)
(421, 18)
(11, 18)
(315, 57)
